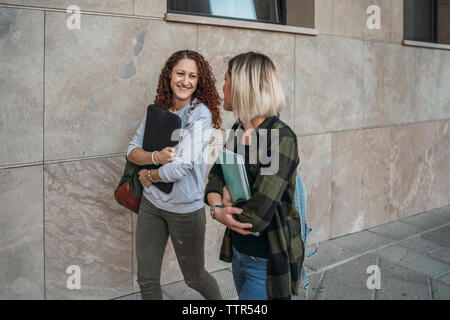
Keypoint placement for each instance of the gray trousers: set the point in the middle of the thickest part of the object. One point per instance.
(187, 232)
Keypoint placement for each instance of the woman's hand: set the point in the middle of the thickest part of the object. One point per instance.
(225, 216)
(144, 178)
(226, 197)
(165, 155)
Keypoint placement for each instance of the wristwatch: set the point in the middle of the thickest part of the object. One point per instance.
(211, 210)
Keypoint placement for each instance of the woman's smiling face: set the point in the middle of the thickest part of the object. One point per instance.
(183, 81)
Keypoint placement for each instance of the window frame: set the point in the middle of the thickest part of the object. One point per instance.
(433, 22)
(280, 6)
(241, 23)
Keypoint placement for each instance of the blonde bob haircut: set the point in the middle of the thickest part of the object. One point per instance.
(255, 87)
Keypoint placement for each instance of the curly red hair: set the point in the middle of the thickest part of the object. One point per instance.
(205, 93)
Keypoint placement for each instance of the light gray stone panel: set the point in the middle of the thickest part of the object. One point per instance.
(218, 45)
(328, 84)
(442, 255)
(441, 288)
(315, 169)
(347, 281)
(348, 167)
(396, 28)
(400, 283)
(431, 84)
(362, 241)
(388, 83)
(101, 78)
(424, 159)
(440, 167)
(413, 261)
(350, 19)
(107, 6)
(377, 178)
(427, 220)
(443, 106)
(21, 86)
(397, 230)
(439, 236)
(151, 8)
(419, 245)
(324, 16)
(403, 188)
(21, 233)
(86, 227)
(443, 212)
(329, 254)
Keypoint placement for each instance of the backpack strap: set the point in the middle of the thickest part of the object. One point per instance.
(300, 205)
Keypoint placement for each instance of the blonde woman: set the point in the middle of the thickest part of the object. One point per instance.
(265, 266)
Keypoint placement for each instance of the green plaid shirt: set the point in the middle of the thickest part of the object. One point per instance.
(271, 207)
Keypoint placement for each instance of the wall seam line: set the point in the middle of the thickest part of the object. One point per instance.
(97, 13)
(43, 157)
(112, 155)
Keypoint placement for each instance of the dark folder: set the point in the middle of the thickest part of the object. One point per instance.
(160, 125)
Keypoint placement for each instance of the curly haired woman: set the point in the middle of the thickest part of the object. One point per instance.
(187, 88)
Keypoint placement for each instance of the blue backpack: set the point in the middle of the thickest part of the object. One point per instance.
(300, 205)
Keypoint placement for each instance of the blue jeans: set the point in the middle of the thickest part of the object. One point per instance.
(250, 275)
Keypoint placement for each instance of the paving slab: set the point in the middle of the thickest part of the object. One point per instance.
(137, 296)
(419, 245)
(362, 241)
(347, 281)
(414, 264)
(180, 291)
(329, 254)
(440, 236)
(445, 278)
(313, 285)
(397, 230)
(428, 220)
(414, 261)
(330, 291)
(400, 283)
(441, 291)
(444, 211)
(441, 255)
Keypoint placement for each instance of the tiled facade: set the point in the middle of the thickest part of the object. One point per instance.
(372, 118)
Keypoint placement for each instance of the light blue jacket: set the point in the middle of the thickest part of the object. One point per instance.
(188, 169)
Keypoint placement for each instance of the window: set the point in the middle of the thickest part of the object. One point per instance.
(298, 13)
(427, 20)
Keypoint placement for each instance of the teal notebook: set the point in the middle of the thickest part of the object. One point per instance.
(234, 173)
(233, 169)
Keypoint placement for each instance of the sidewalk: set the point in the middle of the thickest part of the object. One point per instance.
(413, 255)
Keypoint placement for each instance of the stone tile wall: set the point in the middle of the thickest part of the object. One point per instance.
(372, 119)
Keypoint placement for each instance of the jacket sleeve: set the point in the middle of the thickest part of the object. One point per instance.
(215, 181)
(268, 189)
(190, 150)
(138, 139)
